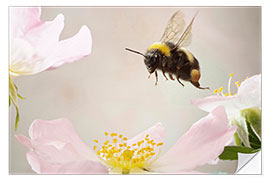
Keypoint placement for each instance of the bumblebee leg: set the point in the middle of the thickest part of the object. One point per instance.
(156, 74)
(149, 76)
(163, 72)
(180, 82)
(163, 67)
(171, 77)
(197, 85)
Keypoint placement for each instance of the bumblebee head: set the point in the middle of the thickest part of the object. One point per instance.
(151, 58)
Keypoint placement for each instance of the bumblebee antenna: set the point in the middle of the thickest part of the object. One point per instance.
(137, 52)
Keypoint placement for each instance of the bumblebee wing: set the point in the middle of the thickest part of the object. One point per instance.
(174, 28)
(186, 37)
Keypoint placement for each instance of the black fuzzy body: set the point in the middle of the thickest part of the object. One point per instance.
(176, 64)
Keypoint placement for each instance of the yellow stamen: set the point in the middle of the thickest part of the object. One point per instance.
(106, 134)
(220, 89)
(215, 91)
(106, 142)
(96, 141)
(126, 156)
(231, 75)
(113, 134)
(125, 139)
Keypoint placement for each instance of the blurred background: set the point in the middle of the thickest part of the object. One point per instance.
(109, 90)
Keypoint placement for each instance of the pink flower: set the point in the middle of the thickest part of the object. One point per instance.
(35, 45)
(56, 148)
(247, 96)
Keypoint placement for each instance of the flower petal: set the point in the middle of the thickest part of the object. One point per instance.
(250, 92)
(203, 143)
(156, 132)
(44, 38)
(22, 19)
(32, 52)
(73, 49)
(58, 133)
(208, 104)
(23, 58)
(42, 166)
(35, 45)
(24, 140)
(249, 95)
(56, 148)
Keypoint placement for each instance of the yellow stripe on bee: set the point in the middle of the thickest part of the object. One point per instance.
(188, 54)
(195, 75)
(162, 47)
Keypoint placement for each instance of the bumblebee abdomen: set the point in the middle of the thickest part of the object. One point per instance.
(195, 75)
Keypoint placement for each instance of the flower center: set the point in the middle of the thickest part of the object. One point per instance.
(117, 152)
(219, 91)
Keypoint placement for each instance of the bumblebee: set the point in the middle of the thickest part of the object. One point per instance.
(169, 55)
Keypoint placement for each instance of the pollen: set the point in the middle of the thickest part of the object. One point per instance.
(117, 152)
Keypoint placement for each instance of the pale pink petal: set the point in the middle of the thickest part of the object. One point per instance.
(250, 84)
(35, 45)
(248, 95)
(201, 144)
(32, 52)
(45, 38)
(23, 58)
(24, 140)
(56, 148)
(73, 49)
(22, 19)
(250, 92)
(42, 166)
(157, 133)
(58, 133)
(208, 104)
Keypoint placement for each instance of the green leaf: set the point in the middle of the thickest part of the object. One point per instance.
(20, 96)
(13, 98)
(237, 140)
(242, 131)
(231, 152)
(13, 92)
(17, 118)
(254, 141)
(9, 102)
(253, 116)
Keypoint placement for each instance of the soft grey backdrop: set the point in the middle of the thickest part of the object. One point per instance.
(109, 90)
